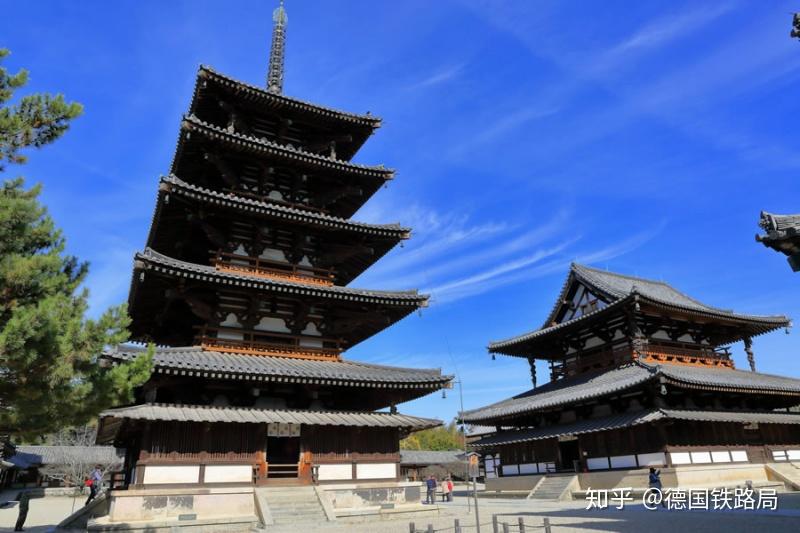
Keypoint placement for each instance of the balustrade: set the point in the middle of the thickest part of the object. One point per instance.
(268, 268)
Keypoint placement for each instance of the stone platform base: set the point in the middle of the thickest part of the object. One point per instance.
(400, 512)
(233, 524)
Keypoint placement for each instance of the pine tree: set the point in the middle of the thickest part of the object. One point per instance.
(50, 374)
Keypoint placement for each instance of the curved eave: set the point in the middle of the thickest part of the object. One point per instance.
(195, 362)
(192, 124)
(152, 260)
(173, 184)
(274, 100)
(520, 346)
(523, 345)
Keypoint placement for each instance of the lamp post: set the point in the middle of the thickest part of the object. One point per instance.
(463, 435)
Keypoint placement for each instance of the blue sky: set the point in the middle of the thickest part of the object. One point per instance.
(642, 137)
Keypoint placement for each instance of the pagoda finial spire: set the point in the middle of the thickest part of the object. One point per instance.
(275, 73)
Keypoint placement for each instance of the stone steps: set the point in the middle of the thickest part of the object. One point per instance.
(294, 505)
(551, 488)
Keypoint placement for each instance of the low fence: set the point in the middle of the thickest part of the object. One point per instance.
(499, 524)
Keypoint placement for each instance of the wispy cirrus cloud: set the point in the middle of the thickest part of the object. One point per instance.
(440, 76)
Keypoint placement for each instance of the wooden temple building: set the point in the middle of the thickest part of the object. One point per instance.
(640, 374)
(243, 287)
(782, 234)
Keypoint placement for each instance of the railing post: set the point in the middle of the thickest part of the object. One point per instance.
(456, 526)
(521, 524)
(546, 523)
(505, 527)
(411, 528)
(430, 528)
(495, 526)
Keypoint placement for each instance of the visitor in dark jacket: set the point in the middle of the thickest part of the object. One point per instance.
(431, 484)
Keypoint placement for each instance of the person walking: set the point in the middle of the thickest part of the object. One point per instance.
(431, 485)
(654, 482)
(24, 499)
(96, 478)
(449, 482)
(445, 490)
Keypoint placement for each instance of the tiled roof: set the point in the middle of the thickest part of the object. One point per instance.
(620, 289)
(177, 185)
(631, 419)
(150, 259)
(251, 415)
(586, 386)
(196, 361)
(727, 379)
(743, 417)
(34, 456)
(258, 144)
(561, 392)
(428, 457)
(281, 100)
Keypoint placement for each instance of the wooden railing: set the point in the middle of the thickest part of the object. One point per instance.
(687, 356)
(265, 198)
(656, 353)
(146, 457)
(268, 343)
(268, 268)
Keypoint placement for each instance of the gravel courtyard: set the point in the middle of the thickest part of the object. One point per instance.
(564, 517)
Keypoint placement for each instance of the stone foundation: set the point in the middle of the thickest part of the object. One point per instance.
(181, 504)
(354, 499)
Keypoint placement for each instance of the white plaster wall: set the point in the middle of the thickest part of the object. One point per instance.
(597, 463)
(721, 457)
(376, 471)
(794, 455)
(228, 474)
(652, 459)
(680, 458)
(623, 461)
(159, 475)
(509, 470)
(739, 456)
(699, 458)
(528, 469)
(335, 472)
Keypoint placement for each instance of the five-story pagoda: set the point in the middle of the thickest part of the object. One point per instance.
(243, 288)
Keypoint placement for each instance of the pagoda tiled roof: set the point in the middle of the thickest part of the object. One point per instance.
(112, 418)
(272, 99)
(619, 289)
(272, 209)
(196, 361)
(150, 259)
(625, 420)
(576, 389)
(259, 145)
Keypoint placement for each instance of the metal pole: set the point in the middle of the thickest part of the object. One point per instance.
(412, 528)
(521, 524)
(505, 527)
(495, 528)
(546, 524)
(475, 495)
(464, 441)
(456, 526)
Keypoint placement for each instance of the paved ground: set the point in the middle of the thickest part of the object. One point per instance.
(564, 517)
(44, 513)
